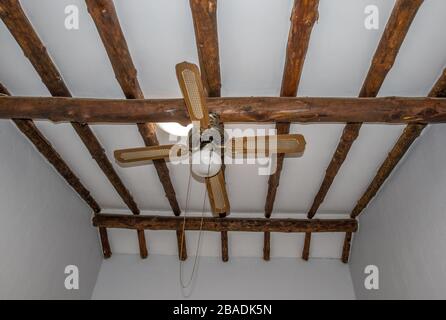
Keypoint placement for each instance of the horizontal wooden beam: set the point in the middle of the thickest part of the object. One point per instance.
(396, 110)
(224, 224)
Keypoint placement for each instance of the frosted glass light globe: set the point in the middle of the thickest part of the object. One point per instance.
(206, 162)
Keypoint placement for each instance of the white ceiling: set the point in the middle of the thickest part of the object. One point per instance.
(252, 39)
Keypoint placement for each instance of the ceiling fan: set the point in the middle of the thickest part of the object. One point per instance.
(207, 141)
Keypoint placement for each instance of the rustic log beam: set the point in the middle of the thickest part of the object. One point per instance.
(18, 24)
(273, 184)
(306, 249)
(104, 15)
(181, 242)
(273, 181)
(346, 247)
(409, 135)
(98, 154)
(439, 89)
(224, 224)
(394, 34)
(204, 15)
(390, 110)
(267, 245)
(143, 251)
(407, 138)
(397, 27)
(224, 246)
(22, 30)
(303, 17)
(349, 135)
(28, 128)
(106, 251)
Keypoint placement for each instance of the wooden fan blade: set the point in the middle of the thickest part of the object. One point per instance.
(133, 155)
(193, 92)
(267, 145)
(218, 196)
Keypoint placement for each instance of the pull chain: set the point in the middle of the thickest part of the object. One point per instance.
(194, 268)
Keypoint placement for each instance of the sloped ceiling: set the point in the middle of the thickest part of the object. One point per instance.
(252, 38)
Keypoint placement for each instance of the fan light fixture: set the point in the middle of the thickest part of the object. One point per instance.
(206, 162)
(206, 156)
(175, 129)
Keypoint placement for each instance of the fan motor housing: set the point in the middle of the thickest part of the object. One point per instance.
(215, 134)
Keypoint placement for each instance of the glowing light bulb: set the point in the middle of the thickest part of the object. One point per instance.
(175, 129)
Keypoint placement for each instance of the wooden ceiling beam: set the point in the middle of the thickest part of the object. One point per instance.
(439, 89)
(20, 27)
(407, 138)
(29, 129)
(204, 16)
(394, 34)
(397, 27)
(224, 224)
(224, 246)
(267, 245)
(106, 251)
(15, 20)
(303, 17)
(104, 15)
(390, 110)
(409, 135)
(346, 247)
